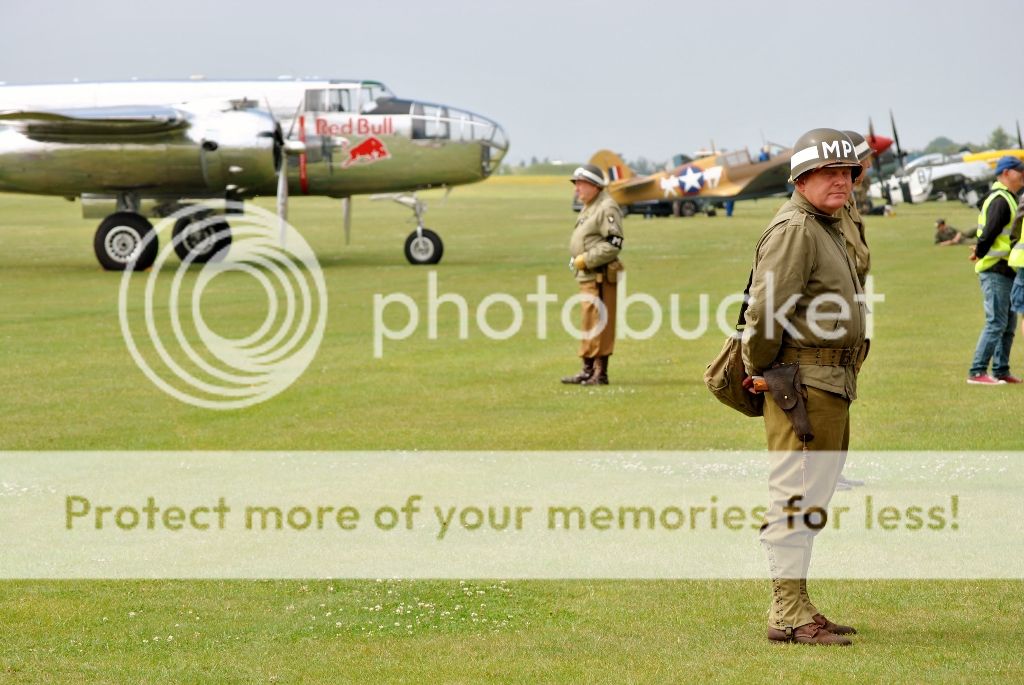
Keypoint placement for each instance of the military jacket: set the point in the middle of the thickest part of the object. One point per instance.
(598, 235)
(800, 258)
(856, 242)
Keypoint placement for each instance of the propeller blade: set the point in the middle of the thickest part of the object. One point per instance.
(282, 200)
(346, 211)
(1020, 143)
(877, 162)
(295, 117)
(896, 140)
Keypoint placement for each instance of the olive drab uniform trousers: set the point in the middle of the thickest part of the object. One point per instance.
(598, 236)
(801, 257)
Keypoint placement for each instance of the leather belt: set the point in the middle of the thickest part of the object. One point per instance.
(819, 356)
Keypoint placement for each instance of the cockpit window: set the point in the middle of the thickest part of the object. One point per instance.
(329, 100)
(734, 158)
(369, 93)
(430, 121)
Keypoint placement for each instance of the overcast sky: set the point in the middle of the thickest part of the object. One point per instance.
(567, 77)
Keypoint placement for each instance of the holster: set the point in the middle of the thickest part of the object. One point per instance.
(784, 385)
(608, 273)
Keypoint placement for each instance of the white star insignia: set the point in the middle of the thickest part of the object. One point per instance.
(691, 180)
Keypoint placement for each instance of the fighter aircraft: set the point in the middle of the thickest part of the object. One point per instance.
(965, 176)
(133, 150)
(694, 183)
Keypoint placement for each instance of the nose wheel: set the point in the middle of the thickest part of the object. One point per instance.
(423, 246)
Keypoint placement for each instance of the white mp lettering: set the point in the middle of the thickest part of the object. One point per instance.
(830, 149)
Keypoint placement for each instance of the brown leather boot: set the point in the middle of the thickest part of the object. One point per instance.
(834, 628)
(600, 375)
(583, 375)
(808, 634)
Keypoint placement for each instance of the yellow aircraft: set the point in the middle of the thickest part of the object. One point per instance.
(696, 184)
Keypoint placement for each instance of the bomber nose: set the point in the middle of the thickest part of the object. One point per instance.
(493, 141)
(495, 149)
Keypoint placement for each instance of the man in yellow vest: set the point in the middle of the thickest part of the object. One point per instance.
(1016, 261)
(995, 274)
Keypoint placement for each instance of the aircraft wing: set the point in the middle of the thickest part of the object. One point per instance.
(95, 124)
(638, 182)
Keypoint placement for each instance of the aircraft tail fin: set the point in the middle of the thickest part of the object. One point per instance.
(614, 168)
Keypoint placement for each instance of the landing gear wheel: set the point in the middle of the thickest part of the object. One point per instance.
(121, 244)
(424, 249)
(204, 238)
(688, 208)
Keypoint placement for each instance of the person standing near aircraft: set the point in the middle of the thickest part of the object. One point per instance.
(594, 260)
(1016, 261)
(996, 275)
(856, 242)
(803, 277)
(853, 223)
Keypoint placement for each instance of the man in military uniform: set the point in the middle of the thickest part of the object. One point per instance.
(594, 260)
(996, 224)
(853, 223)
(856, 240)
(804, 332)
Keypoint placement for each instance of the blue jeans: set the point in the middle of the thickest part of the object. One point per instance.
(1017, 293)
(997, 335)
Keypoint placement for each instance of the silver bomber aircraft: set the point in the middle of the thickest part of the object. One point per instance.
(135, 150)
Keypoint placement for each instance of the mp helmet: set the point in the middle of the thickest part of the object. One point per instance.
(860, 145)
(589, 173)
(822, 147)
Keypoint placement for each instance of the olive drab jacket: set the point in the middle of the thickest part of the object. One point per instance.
(598, 235)
(801, 257)
(856, 242)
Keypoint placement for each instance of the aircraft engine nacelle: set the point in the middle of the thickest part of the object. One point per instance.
(207, 154)
(240, 151)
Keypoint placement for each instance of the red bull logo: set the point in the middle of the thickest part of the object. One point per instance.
(360, 127)
(369, 151)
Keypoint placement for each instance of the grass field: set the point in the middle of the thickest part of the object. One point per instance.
(70, 384)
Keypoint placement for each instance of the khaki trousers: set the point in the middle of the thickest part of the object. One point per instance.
(800, 487)
(602, 344)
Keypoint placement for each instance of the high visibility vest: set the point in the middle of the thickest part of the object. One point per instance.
(1016, 258)
(1000, 248)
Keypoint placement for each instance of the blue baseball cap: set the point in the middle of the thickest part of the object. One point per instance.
(1008, 162)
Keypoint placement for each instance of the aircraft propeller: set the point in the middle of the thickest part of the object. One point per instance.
(896, 140)
(1020, 143)
(287, 147)
(877, 163)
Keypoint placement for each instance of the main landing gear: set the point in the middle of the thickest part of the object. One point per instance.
(126, 240)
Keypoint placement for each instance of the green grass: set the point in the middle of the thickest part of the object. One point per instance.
(69, 383)
(489, 631)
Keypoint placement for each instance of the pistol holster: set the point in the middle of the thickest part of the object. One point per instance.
(784, 385)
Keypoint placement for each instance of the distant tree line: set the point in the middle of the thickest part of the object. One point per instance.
(999, 139)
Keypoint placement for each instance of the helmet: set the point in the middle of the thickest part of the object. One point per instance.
(589, 173)
(860, 145)
(821, 147)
